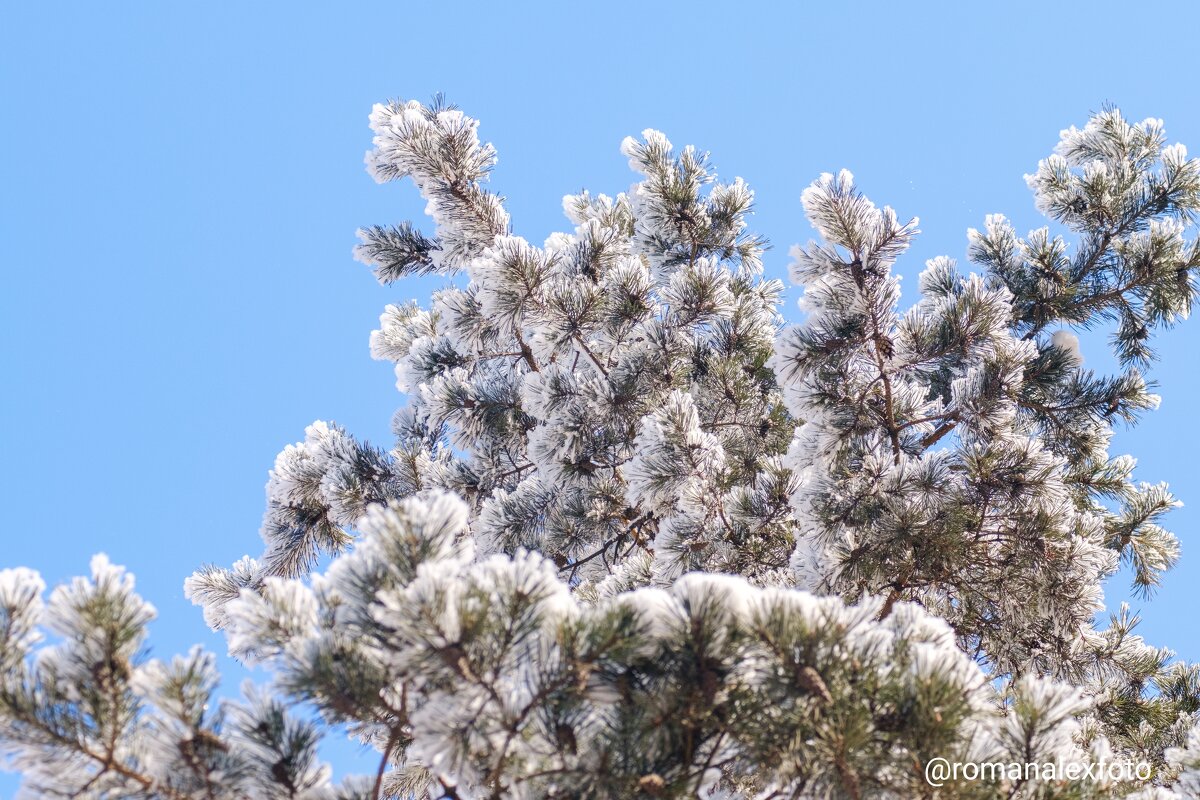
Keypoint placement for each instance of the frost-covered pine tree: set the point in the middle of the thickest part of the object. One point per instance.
(638, 539)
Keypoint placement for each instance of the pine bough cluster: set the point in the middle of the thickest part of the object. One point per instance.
(638, 539)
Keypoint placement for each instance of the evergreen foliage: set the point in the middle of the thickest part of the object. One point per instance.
(637, 538)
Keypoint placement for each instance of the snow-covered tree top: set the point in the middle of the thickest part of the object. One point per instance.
(637, 538)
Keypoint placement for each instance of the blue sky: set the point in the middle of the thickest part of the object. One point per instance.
(182, 182)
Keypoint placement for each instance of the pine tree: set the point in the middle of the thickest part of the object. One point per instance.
(637, 538)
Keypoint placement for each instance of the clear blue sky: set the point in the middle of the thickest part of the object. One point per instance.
(181, 183)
